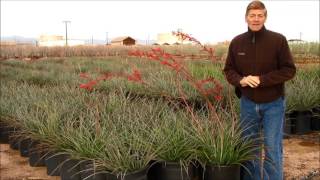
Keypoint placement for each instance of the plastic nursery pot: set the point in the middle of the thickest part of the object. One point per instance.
(53, 161)
(315, 120)
(154, 168)
(213, 172)
(137, 175)
(301, 122)
(70, 170)
(14, 142)
(174, 171)
(5, 132)
(88, 172)
(36, 155)
(287, 127)
(24, 147)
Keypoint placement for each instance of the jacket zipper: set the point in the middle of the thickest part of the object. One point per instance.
(253, 40)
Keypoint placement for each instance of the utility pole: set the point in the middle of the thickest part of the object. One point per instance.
(147, 43)
(107, 38)
(92, 40)
(300, 36)
(66, 23)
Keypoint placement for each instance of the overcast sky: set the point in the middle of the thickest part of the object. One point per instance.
(208, 21)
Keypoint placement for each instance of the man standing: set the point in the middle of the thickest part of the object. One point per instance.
(259, 62)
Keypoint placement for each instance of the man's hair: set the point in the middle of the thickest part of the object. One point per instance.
(256, 4)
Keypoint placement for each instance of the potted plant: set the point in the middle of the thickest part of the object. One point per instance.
(300, 103)
(174, 149)
(126, 157)
(221, 149)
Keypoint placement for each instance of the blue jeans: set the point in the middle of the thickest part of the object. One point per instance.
(264, 120)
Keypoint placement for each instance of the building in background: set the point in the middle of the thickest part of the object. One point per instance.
(125, 40)
(170, 39)
(55, 40)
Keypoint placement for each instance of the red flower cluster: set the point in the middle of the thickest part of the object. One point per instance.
(215, 90)
(84, 75)
(135, 76)
(89, 85)
(184, 36)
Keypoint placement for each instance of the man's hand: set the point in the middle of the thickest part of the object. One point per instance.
(252, 81)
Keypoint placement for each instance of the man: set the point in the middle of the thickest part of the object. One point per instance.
(259, 61)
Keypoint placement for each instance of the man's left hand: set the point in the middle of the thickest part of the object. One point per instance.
(254, 79)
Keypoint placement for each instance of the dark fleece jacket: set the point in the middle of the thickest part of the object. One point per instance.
(265, 54)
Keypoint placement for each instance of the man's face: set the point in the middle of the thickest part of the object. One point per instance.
(256, 19)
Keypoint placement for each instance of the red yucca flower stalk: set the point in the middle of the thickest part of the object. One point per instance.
(135, 77)
(184, 36)
(175, 64)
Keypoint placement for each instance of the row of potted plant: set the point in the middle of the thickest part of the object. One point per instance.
(303, 101)
(301, 104)
(160, 77)
(120, 135)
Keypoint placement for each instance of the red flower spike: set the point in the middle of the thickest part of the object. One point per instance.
(135, 76)
(218, 97)
(157, 50)
(167, 56)
(84, 75)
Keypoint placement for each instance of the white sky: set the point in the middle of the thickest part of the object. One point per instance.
(208, 21)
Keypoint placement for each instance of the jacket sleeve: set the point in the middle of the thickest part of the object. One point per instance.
(286, 68)
(230, 72)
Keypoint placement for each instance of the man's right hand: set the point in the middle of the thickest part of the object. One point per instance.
(252, 81)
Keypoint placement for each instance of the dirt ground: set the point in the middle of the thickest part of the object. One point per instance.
(15, 167)
(302, 157)
(301, 161)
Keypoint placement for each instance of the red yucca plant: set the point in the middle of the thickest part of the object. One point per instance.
(175, 64)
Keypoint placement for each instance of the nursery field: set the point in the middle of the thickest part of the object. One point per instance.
(119, 115)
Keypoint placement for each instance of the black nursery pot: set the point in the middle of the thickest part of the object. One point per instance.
(5, 132)
(315, 120)
(287, 126)
(222, 172)
(137, 175)
(14, 138)
(70, 170)
(14, 142)
(36, 155)
(24, 147)
(53, 161)
(172, 171)
(87, 171)
(301, 122)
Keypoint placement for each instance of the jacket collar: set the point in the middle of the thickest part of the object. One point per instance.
(256, 34)
(263, 29)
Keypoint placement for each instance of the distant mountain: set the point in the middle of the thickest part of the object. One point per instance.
(95, 41)
(100, 42)
(19, 39)
(145, 42)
